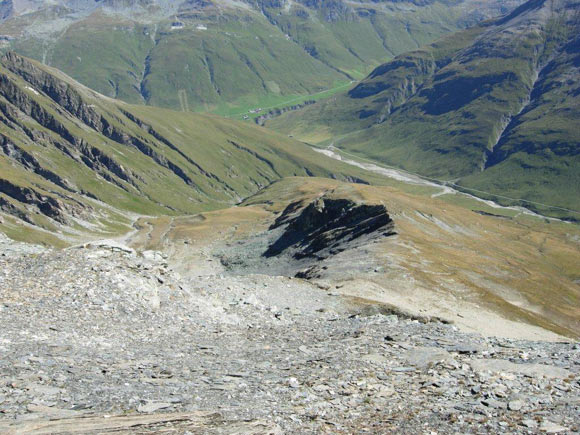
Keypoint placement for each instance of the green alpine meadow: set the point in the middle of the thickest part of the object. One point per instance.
(228, 57)
(493, 109)
(68, 154)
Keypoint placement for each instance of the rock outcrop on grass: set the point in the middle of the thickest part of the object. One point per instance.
(327, 226)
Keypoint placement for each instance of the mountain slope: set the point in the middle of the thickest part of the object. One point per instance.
(225, 55)
(494, 106)
(68, 154)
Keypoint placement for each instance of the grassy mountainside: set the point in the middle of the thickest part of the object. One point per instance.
(227, 56)
(494, 106)
(524, 268)
(444, 259)
(71, 158)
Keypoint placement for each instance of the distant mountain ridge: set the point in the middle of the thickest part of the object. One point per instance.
(136, 8)
(495, 106)
(212, 55)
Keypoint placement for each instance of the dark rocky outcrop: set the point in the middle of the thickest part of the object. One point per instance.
(329, 236)
(47, 205)
(327, 226)
(71, 101)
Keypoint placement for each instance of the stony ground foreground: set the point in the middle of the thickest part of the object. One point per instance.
(101, 339)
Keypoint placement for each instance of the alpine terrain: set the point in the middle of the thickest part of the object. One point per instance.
(227, 56)
(68, 154)
(163, 271)
(492, 108)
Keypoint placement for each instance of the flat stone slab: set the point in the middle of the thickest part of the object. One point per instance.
(423, 357)
(153, 406)
(551, 427)
(151, 423)
(109, 244)
(535, 370)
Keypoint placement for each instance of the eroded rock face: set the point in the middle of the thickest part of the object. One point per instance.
(312, 240)
(49, 206)
(327, 226)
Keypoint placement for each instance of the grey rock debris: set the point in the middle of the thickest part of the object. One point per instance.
(92, 331)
